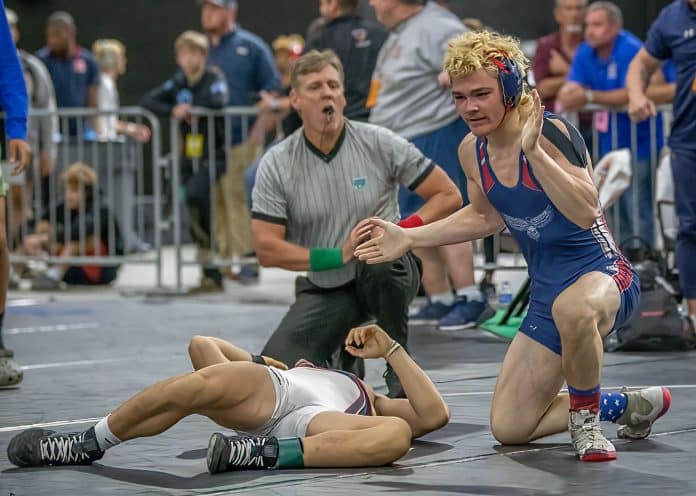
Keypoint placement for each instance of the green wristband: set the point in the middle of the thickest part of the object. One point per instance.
(325, 259)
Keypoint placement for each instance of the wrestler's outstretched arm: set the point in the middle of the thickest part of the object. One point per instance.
(207, 350)
(477, 220)
(425, 410)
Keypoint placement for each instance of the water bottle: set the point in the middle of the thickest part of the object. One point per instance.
(505, 295)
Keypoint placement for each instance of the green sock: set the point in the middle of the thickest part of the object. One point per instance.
(290, 451)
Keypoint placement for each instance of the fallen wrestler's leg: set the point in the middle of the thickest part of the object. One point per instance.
(333, 439)
(236, 395)
(342, 440)
(327, 437)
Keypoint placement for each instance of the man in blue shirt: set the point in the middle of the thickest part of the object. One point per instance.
(74, 72)
(248, 64)
(673, 36)
(598, 75)
(13, 100)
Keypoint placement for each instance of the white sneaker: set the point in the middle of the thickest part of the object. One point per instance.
(643, 408)
(11, 372)
(587, 438)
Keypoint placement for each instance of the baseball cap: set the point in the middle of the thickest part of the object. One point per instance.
(220, 3)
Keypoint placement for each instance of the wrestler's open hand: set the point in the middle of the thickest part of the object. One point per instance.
(359, 234)
(272, 362)
(531, 131)
(368, 342)
(387, 242)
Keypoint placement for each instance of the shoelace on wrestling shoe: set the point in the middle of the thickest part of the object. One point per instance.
(64, 449)
(588, 436)
(247, 452)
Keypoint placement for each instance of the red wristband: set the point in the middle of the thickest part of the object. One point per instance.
(411, 221)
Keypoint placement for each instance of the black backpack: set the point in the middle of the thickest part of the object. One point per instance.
(658, 324)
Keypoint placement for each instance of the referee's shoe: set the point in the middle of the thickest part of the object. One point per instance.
(396, 390)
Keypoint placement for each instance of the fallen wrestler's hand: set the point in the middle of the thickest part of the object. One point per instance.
(369, 341)
(387, 241)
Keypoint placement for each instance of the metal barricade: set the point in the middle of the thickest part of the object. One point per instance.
(223, 130)
(218, 145)
(127, 191)
(637, 204)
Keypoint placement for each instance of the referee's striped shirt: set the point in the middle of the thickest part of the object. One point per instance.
(319, 198)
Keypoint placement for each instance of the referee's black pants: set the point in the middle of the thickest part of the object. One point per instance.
(317, 324)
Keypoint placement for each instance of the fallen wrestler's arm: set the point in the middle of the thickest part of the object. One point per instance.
(207, 350)
(425, 410)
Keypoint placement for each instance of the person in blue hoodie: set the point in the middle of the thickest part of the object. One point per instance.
(13, 100)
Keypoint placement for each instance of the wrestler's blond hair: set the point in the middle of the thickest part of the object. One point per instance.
(477, 50)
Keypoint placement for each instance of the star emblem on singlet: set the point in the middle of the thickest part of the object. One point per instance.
(530, 225)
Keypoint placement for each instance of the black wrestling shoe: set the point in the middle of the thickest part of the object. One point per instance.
(227, 453)
(41, 447)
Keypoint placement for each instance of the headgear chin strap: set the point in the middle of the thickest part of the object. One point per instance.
(510, 80)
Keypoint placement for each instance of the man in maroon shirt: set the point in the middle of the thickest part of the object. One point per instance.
(555, 51)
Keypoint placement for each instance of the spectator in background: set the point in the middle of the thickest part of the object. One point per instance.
(410, 95)
(41, 131)
(110, 55)
(598, 75)
(13, 100)
(668, 39)
(357, 42)
(315, 27)
(555, 53)
(73, 70)
(195, 85)
(248, 65)
(119, 183)
(473, 23)
(76, 227)
(286, 49)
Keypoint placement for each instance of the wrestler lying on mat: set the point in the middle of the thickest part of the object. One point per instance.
(305, 416)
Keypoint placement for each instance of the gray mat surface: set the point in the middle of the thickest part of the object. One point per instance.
(83, 358)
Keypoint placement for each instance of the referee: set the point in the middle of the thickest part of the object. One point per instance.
(311, 192)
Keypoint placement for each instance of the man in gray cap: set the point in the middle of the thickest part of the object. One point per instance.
(249, 66)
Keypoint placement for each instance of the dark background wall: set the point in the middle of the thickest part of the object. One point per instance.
(148, 27)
